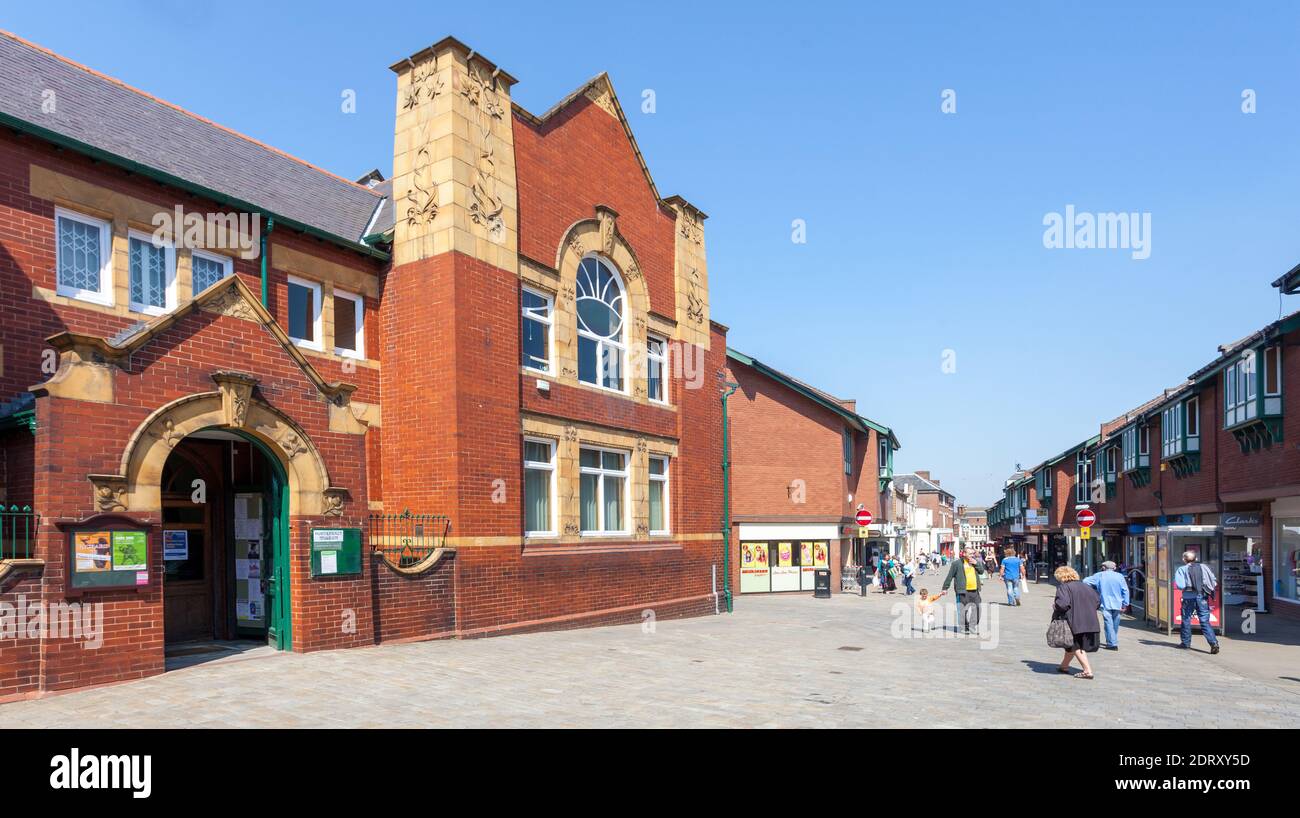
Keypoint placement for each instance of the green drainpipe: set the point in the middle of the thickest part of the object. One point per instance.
(270, 225)
(726, 495)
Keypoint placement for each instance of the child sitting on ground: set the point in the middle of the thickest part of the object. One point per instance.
(925, 608)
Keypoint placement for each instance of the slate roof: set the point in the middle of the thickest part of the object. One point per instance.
(101, 113)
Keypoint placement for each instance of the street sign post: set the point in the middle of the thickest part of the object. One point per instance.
(1085, 533)
(864, 517)
(1086, 517)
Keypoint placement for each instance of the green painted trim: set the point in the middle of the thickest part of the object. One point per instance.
(863, 424)
(282, 544)
(176, 181)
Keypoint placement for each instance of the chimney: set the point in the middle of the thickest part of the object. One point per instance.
(924, 475)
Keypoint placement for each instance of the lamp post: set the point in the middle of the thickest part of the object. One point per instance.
(728, 389)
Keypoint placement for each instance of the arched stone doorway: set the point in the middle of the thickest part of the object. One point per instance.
(292, 482)
(224, 520)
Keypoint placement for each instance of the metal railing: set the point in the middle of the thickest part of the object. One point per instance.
(406, 539)
(17, 532)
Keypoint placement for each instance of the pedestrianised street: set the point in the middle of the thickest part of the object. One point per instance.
(778, 661)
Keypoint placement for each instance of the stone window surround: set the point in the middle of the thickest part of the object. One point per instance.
(568, 438)
(564, 325)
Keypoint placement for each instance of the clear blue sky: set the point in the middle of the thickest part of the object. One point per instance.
(924, 229)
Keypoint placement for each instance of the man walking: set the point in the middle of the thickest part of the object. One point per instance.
(1111, 586)
(1011, 572)
(1198, 583)
(966, 579)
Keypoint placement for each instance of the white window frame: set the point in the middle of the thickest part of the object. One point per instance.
(105, 297)
(551, 483)
(601, 343)
(661, 360)
(169, 274)
(659, 478)
(527, 315)
(602, 472)
(1191, 409)
(359, 313)
(317, 328)
(226, 262)
(1082, 487)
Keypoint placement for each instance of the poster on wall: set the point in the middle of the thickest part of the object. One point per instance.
(176, 545)
(93, 551)
(821, 556)
(754, 575)
(785, 574)
(130, 551)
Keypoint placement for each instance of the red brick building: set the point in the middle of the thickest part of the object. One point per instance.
(802, 463)
(1208, 465)
(226, 375)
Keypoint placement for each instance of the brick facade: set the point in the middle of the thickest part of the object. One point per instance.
(431, 420)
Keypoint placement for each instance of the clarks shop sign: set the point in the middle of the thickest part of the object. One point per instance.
(1240, 519)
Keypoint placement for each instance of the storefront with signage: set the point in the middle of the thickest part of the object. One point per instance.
(777, 558)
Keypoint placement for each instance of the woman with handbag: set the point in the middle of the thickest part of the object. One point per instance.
(1074, 625)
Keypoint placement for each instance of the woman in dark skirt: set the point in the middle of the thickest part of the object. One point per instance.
(1078, 604)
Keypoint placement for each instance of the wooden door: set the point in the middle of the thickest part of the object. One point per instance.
(188, 583)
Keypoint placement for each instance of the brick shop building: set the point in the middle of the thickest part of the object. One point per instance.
(1207, 465)
(802, 463)
(245, 398)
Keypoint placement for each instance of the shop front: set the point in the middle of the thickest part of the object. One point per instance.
(779, 557)
(1285, 562)
(1165, 546)
(1244, 556)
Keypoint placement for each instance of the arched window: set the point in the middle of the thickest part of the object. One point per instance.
(601, 342)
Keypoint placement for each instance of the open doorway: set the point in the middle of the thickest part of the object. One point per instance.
(225, 548)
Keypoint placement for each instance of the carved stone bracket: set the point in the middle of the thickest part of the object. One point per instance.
(110, 491)
(608, 218)
(236, 396)
(334, 499)
(287, 439)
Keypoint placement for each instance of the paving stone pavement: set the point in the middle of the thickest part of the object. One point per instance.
(778, 661)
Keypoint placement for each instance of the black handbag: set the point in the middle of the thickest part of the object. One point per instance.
(1059, 633)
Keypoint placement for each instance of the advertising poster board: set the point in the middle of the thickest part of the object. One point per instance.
(754, 574)
(785, 574)
(108, 557)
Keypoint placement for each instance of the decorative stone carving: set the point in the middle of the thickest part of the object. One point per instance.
(576, 245)
(479, 88)
(168, 433)
(230, 302)
(571, 434)
(695, 304)
(422, 197)
(425, 85)
(632, 271)
(598, 92)
(642, 530)
(571, 529)
(110, 491)
(607, 219)
(236, 396)
(640, 445)
(286, 438)
(691, 229)
(334, 498)
(569, 372)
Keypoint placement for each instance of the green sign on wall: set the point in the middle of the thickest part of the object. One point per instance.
(335, 551)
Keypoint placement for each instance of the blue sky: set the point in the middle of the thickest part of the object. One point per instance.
(924, 229)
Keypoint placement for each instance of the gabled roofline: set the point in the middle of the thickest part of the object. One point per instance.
(470, 54)
(861, 423)
(581, 90)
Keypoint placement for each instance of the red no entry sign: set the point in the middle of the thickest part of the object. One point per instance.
(864, 517)
(1086, 517)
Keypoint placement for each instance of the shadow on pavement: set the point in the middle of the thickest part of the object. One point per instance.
(1040, 667)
